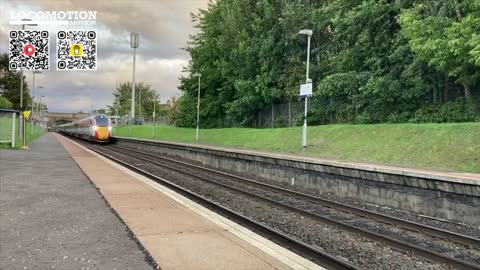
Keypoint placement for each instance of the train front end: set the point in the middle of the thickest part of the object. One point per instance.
(102, 128)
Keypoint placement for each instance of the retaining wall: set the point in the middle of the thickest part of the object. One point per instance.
(440, 196)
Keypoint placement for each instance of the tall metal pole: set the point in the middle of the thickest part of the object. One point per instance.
(38, 95)
(133, 88)
(198, 104)
(304, 137)
(140, 103)
(21, 130)
(33, 101)
(154, 114)
(40, 111)
(134, 42)
(20, 118)
(154, 109)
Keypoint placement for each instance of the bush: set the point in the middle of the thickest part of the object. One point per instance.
(280, 122)
(454, 111)
(298, 120)
(402, 117)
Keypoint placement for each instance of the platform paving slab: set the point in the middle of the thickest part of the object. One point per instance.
(53, 217)
(175, 236)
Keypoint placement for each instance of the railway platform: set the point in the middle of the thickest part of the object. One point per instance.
(52, 217)
(65, 207)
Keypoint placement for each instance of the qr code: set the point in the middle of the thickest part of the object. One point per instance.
(76, 50)
(29, 50)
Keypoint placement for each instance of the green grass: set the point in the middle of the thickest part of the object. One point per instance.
(29, 135)
(437, 146)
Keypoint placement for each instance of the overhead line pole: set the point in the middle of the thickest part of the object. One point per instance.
(21, 129)
(32, 114)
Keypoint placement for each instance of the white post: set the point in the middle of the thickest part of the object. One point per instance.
(154, 114)
(304, 135)
(13, 130)
(140, 104)
(198, 103)
(24, 133)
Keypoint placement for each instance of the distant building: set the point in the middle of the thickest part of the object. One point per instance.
(115, 119)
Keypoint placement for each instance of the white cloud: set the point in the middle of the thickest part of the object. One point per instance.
(164, 26)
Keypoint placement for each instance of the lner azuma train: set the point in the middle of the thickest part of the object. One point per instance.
(96, 128)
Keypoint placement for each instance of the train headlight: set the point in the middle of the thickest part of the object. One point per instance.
(95, 128)
(109, 128)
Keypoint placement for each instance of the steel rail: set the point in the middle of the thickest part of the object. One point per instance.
(413, 226)
(394, 243)
(320, 257)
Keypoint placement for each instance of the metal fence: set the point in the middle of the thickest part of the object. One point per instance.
(324, 110)
(291, 114)
(7, 127)
(162, 120)
(279, 115)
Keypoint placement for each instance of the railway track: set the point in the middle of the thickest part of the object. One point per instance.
(413, 226)
(308, 251)
(300, 247)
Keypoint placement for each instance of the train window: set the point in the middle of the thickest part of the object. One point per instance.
(102, 121)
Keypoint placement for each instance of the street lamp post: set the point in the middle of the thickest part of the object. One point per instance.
(198, 102)
(309, 33)
(154, 114)
(134, 42)
(22, 124)
(38, 95)
(33, 98)
(155, 110)
(40, 111)
(140, 103)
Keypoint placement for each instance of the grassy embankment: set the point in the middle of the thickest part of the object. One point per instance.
(438, 146)
(5, 124)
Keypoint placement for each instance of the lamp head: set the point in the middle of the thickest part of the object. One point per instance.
(134, 40)
(197, 75)
(307, 32)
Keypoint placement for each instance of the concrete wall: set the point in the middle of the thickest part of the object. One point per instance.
(453, 199)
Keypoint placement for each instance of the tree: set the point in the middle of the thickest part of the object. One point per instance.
(100, 111)
(446, 35)
(248, 54)
(367, 64)
(10, 84)
(122, 99)
(5, 103)
(173, 109)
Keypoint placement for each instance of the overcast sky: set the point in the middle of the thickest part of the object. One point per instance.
(164, 27)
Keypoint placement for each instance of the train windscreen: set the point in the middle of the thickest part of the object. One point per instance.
(102, 121)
